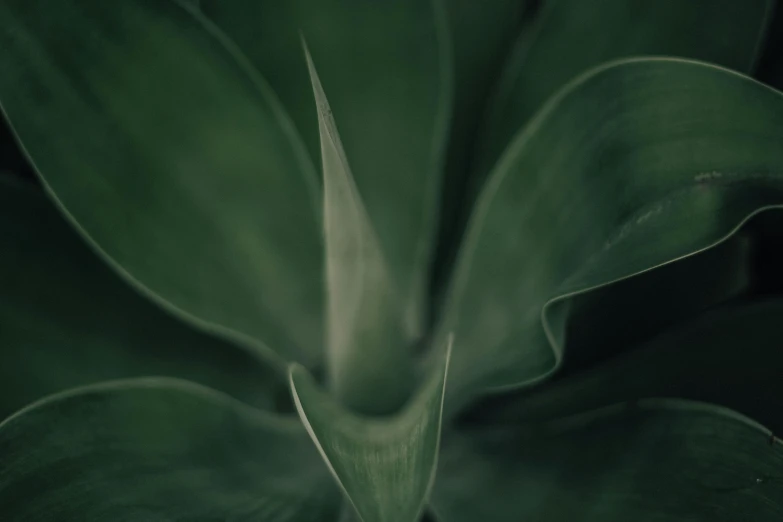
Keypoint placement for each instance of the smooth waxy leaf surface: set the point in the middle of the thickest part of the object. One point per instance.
(659, 460)
(158, 449)
(387, 73)
(67, 320)
(730, 357)
(569, 37)
(174, 158)
(635, 165)
(384, 465)
(369, 368)
(481, 35)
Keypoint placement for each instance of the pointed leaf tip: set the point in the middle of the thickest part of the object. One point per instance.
(366, 346)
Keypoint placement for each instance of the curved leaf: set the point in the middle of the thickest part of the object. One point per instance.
(386, 68)
(481, 34)
(174, 158)
(664, 460)
(158, 449)
(730, 357)
(385, 466)
(369, 366)
(570, 37)
(481, 38)
(635, 165)
(66, 320)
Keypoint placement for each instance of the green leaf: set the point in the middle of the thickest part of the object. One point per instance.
(66, 320)
(385, 466)
(174, 159)
(481, 38)
(158, 449)
(369, 368)
(659, 460)
(634, 165)
(481, 34)
(571, 36)
(730, 357)
(386, 68)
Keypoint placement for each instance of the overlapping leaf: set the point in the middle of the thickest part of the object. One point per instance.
(66, 320)
(659, 460)
(635, 165)
(369, 362)
(386, 68)
(174, 158)
(158, 449)
(481, 34)
(570, 37)
(567, 38)
(385, 466)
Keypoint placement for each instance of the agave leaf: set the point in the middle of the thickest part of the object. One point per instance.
(634, 165)
(385, 466)
(369, 368)
(66, 320)
(174, 159)
(158, 449)
(658, 460)
(386, 68)
(570, 37)
(567, 38)
(730, 357)
(481, 35)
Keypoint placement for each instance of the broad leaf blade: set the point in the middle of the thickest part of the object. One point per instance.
(665, 461)
(385, 466)
(637, 164)
(481, 35)
(571, 37)
(67, 320)
(174, 158)
(158, 449)
(369, 363)
(386, 68)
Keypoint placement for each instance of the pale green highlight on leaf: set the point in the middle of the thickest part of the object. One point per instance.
(370, 365)
(386, 66)
(385, 466)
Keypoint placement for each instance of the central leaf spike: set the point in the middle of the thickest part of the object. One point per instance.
(369, 361)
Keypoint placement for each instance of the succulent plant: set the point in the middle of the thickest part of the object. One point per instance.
(321, 260)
